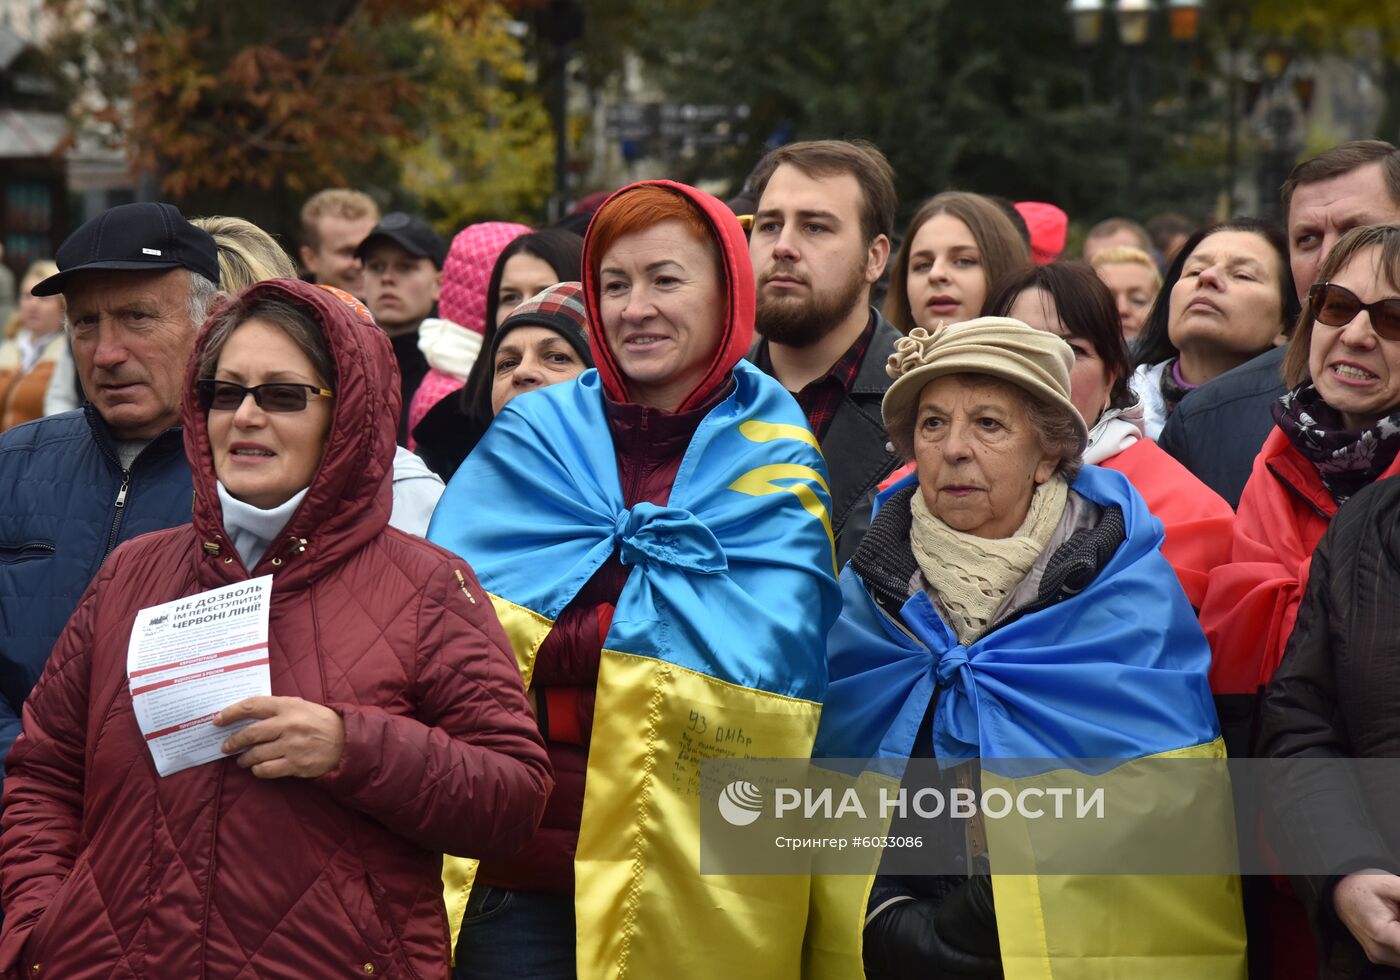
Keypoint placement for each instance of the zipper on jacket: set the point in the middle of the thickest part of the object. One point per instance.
(10, 553)
(1298, 492)
(117, 517)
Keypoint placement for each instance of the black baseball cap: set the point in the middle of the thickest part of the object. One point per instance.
(146, 236)
(414, 236)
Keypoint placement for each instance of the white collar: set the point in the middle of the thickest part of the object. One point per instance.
(1115, 431)
(252, 529)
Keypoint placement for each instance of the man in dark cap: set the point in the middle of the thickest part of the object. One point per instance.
(403, 257)
(137, 280)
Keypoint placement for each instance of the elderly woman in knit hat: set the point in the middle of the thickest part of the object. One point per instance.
(1010, 603)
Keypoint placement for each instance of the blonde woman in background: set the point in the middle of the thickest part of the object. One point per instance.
(247, 254)
(1133, 279)
(33, 340)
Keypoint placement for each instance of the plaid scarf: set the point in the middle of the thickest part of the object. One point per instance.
(1347, 460)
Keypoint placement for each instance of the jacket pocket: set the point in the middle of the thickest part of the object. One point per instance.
(36, 946)
(11, 554)
(381, 934)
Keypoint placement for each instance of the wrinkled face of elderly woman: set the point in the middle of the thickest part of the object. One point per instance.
(662, 307)
(978, 456)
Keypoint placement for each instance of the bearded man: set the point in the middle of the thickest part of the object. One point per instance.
(820, 241)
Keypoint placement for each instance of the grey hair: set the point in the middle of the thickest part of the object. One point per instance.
(1058, 431)
(1060, 435)
(202, 292)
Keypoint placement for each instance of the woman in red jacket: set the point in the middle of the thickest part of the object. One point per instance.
(1070, 301)
(1338, 430)
(397, 728)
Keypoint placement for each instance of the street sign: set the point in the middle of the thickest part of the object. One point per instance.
(689, 123)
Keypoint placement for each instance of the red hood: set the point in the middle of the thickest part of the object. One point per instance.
(739, 298)
(351, 494)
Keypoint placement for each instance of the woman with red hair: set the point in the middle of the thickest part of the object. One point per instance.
(656, 538)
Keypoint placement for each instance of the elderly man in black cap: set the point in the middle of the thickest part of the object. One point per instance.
(138, 280)
(403, 259)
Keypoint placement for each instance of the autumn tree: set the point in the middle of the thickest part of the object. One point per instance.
(488, 150)
(1364, 31)
(248, 107)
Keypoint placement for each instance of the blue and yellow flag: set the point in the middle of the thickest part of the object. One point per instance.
(1116, 672)
(724, 616)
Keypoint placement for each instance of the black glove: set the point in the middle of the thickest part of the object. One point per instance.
(967, 918)
(916, 940)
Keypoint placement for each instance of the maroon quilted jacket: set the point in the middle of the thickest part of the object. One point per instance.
(109, 870)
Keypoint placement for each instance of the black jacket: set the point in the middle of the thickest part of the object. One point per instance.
(1334, 696)
(448, 432)
(1219, 428)
(857, 449)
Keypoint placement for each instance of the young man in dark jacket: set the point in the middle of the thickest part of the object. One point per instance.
(820, 241)
(403, 259)
(137, 281)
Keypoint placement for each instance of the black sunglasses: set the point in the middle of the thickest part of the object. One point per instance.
(1337, 306)
(275, 396)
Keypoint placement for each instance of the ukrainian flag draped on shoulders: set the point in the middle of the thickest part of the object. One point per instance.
(724, 615)
(1115, 672)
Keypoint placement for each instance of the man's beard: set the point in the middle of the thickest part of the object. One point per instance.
(797, 322)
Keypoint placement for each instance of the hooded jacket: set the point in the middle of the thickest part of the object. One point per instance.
(649, 444)
(452, 343)
(675, 571)
(109, 870)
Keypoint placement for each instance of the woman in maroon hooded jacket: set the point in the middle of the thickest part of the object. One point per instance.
(398, 727)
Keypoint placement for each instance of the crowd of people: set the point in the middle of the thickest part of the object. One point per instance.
(542, 506)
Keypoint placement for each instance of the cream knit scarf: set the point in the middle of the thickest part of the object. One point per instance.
(971, 575)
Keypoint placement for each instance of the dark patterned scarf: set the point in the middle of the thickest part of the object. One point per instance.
(1346, 459)
(1174, 386)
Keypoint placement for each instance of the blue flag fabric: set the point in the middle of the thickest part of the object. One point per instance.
(733, 578)
(1115, 672)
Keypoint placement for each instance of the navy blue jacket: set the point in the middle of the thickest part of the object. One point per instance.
(1219, 428)
(65, 504)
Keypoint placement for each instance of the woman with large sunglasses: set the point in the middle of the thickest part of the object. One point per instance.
(397, 727)
(1335, 692)
(1338, 430)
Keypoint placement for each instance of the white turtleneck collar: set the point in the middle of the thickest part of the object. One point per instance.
(1116, 430)
(252, 529)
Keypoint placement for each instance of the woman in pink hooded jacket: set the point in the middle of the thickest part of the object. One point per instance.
(452, 340)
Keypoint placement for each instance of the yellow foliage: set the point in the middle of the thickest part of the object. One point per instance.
(489, 151)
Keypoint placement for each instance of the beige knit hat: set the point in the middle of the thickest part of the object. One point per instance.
(1035, 361)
